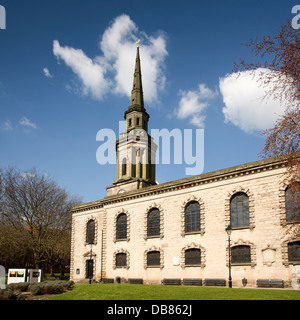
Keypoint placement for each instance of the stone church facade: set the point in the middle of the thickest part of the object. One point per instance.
(175, 232)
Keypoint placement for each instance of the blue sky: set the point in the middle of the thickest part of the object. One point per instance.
(66, 71)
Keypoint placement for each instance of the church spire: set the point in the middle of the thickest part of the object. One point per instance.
(137, 109)
(137, 99)
(135, 148)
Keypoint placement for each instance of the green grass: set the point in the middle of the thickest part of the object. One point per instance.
(147, 292)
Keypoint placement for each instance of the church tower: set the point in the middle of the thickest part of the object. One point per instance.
(135, 148)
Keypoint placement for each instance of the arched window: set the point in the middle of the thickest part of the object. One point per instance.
(153, 223)
(294, 251)
(239, 210)
(292, 202)
(90, 232)
(192, 257)
(192, 217)
(153, 259)
(121, 232)
(241, 254)
(124, 167)
(121, 260)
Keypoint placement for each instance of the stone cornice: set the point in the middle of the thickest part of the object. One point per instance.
(205, 178)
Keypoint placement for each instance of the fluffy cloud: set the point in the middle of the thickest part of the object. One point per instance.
(47, 73)
(244, 104)
(6, 126)
(193, 104)
(110, 72)
(91, 73)
(27, 123)
(24, 122)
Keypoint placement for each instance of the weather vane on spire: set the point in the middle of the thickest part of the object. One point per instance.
(137, 43)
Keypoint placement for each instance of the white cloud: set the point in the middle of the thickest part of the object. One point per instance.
(244, 104)
(193, 104)
(118, 46)
(113, 71)
(7, 126)
(47, 73)
(90, 72)
(27, 123)
(28, 175)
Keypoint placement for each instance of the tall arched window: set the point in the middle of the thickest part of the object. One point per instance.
(124, 167)
(153, 223)
(192, 217)
(90, 232)
(239, 210)
(121, 232)
(292, 202)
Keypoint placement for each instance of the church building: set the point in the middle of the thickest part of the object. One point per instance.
(179, 232)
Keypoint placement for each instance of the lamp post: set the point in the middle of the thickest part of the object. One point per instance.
(229, 230)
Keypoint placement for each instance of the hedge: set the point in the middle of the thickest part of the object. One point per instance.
(13, 290)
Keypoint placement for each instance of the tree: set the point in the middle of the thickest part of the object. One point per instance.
(282, 54)
(281, 72)
(36, 207)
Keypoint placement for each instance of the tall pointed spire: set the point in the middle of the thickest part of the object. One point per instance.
(135, 148)
(136, 115)
(137, 99)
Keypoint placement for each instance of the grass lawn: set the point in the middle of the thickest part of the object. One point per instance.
(147, 292)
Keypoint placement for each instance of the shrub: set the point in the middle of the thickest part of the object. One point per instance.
(10, 294)
(69, 285)
(2, 294)
(36, 289)
(13, 290)
(21, 286)
(51, 287)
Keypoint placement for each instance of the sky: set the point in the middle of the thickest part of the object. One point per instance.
(66, 72)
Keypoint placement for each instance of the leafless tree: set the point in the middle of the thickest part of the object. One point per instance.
(36, 207)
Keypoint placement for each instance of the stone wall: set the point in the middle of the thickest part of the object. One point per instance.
(265, 235)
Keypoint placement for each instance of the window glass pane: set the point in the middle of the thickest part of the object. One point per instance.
(239, 210)
(192, 217)
(294, 251)
(192, 257)
(153, 226)
(90, 232)
(124, 167)
(292, 203)
(121, 227)
(121, 260)
(241, 254)
(153, 258)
